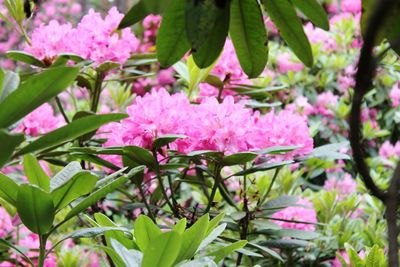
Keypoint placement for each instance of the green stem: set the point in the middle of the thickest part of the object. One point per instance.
(60, 107)
(217, 177)
(97, 91)
(264, 197)
(42, 250)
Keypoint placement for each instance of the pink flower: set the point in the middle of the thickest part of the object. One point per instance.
(303, 213)
(352, 6)
(389, 151)
(395, 95)
(40, 121)
(344, 187)
(326, 104)
(5, 223)
(336, 262)
(286, 63)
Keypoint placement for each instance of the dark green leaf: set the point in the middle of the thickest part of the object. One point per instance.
(238, 158)
(163, 251)
(278, 150)
(35, 173)
(172, 42)
(35, 208)
(207, 25)
(262, 167)
(63, 176)
(35, 91)
(280, 203)
(8, 189)
(8, 143)
(166, 139)
(71, 131)
(140, 155)
(314, 11)
(249, 36)
(283, 14)
(25, 57)
(285, 243)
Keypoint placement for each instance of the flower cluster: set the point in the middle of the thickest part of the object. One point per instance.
(227, 127)
(94, 39)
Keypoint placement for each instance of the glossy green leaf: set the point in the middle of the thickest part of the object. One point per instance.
(8, 143)
(140, 155)
(71, 131)
(238, 158)
(214, 223)
(145, 232)
(80, 184)
(283, 14)
(249, 36)
(180, 226)
(172, 42)
(192, 238)
(35, 91)
(95, 196)
(207, 26)
(225, 251)
(212, 236)
(166, 139)
(262, 167)
(129, 258)
(314, 11)
(25, 58)
(35, 173)
(8, 189)
(141, 10)
(8, 83)
(35, 208)
(163, 251)
(63, 176)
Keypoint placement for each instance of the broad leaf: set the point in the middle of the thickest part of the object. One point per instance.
(140, 155)
(35, 208)
(25, 57)
(172, 42)
(225, 251)
(35, 91)
(71, 131)
(283, 14)
(130, 258)
(249, 36)
(8, 143)
(145, 232)
(35, 173)
(8, 83)
(166, 139)
(63, 176)
(314, 11)
(238, 158)
(163, 251)
(8, 189)
(80, 184)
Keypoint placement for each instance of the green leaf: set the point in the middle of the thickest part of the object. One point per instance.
(278, 150)
(25, 57)
(262, 167)
(95, 196)
(225, 251)
(166, 139)
(35, 91)
(130, 258)
(212, 236)
(8, 189)
(63, 176)
(80, 184)
(145, 232)
(249, 36)
(172, 42)
(71, 131)
(8, 83)
(180, 226)
(214, 223)
(140, 155)
(238, 158)
(117, 256)
(141, 10)
(283, 14)
(104, 221)
(8, 143)
(35, 173)
(35, 208)
(163, 251)
(314, 11)
(374, 258)
(280, 203)
(293, 233)
(207, 26)
(192, 238)
(285, 243)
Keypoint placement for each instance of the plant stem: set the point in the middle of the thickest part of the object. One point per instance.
(217, 177)
(61, 109)
(244, 222)
(42, 250)
(264, 197)
(97, 91)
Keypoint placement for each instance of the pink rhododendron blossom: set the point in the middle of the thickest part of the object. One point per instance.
(301, 106)
(94, 38)
(344, 186)
(40, 121)
(286, 63)
(395, 96)
(5, 223)
(388, 150)
(303, 213)
(352, 6)
(326, 103)
(319, 36)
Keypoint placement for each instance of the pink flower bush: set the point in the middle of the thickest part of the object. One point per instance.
(287, 63)
(40, 121)
(344, 187)
(326, 103)
(352, 6)
(227, 127)
(303, 213)
(388, 151)
(5, 223)
(94, 39)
